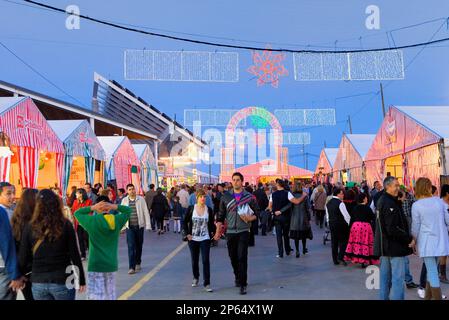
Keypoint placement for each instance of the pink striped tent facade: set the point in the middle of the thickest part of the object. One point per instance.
(29, 133)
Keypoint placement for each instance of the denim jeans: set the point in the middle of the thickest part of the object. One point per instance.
(5, 292)
(52, 291)
(408, 275)
(195, 248)
(432, 271)
(134, 238)
(423, 277)
(183, 214)
(392, 277)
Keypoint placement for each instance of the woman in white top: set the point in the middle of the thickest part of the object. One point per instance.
(199, 228)
(430, 221)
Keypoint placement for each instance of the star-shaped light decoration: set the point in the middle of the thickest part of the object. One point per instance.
(268, 67)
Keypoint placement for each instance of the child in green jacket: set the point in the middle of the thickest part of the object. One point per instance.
(104, 232)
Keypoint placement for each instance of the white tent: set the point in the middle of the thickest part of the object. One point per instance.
(349, 163)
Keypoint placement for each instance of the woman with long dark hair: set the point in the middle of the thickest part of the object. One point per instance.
(49, 246)
(21, 217)
(82, 200)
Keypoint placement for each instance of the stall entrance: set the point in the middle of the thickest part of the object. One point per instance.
(393, 167)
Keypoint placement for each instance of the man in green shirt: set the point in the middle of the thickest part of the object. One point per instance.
(104, 232)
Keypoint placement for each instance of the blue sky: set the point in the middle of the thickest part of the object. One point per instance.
(70, 57)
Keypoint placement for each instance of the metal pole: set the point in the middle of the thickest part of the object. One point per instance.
(350, 125)
(210, 163)
(382, 96)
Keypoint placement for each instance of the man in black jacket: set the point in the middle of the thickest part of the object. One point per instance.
(262, 201)
(393, 241)
(339, 220)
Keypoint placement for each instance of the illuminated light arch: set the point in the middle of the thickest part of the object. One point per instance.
(228, 152)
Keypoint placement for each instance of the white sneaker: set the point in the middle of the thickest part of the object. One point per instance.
(138, 267)
(421, 293)
(208, 288)
(195, 283)
(131, 271)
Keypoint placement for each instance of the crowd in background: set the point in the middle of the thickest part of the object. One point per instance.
(379, 225)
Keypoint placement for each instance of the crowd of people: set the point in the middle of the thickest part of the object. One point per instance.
(43, 238)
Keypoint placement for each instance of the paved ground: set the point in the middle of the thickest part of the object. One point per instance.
(167, 274)
(310, 277)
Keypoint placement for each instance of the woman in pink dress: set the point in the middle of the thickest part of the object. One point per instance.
(361, 238)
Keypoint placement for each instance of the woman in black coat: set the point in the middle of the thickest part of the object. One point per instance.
(159, 209)
(199, 229)
(300, 228)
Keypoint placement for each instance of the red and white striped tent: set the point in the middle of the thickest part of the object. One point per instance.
(37, 159)
(122, 162)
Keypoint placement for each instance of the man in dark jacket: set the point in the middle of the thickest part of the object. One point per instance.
(10, 278)
(393, 241)
(234, 208)
(339, 220)
(262, 202)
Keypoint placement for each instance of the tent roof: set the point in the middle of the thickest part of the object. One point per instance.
(140, 149)
(9, 102)
(64, 128)
(111, 144)
(434, 118)
(331, 154)
(361, 142)
(254, 169)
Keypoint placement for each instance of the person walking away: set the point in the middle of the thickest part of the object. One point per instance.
(339, 220)
(280, 204)
(360, 248)
(262, 202)
(392, 241)
(20, 218)
(139, 219)
(177, 209)
(183, 195)
(237, 207)
(159, 208)
(319, 203)
(149, 196)
(300, 228)
(48, 245)
(104, 233)
(82, 200)
(200, 228)
(430, 222)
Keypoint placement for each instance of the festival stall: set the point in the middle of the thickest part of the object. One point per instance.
(122, 164)
(266, 171)
(35, 156)
(411, 143)
(84, 156)
(148, 172)
(325, 164)
(349, 163)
